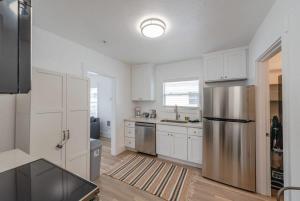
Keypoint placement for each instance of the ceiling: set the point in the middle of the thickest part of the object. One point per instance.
(194, 27)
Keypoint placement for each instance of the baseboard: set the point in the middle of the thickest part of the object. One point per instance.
(180, 161)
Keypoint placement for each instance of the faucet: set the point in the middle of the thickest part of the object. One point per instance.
(176, 112)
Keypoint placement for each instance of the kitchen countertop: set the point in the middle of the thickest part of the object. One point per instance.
(158, 121)
(14, 158)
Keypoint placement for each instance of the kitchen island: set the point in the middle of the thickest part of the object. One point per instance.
(23, 177)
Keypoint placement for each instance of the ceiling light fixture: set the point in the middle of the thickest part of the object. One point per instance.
(153, 27)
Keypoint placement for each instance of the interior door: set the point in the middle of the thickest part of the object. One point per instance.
(78, 144)
(48, 115)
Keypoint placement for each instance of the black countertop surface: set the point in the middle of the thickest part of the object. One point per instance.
(43, 181)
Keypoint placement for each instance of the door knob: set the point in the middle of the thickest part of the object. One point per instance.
(59, 146)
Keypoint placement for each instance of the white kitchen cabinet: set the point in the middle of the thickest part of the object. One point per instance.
(228, 65)
(164, 143)
(129, 134)
(179, 142)
(180, 146)
(195, 149)
(235, 65)
(130, 142)
(214, 69)
(143, 82)
(56, 111)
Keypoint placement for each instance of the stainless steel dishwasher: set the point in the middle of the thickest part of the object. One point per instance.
(145, 138)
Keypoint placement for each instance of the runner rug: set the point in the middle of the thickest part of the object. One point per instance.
(160, 178)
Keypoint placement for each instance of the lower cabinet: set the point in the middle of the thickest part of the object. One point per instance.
(164, 146)
(129, 134)
(194, 149)
(180, 146)
(185, 145)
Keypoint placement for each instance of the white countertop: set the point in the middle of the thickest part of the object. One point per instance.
(158, 121)
(14, 158)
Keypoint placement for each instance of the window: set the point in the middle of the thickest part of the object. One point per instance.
(94, 102)
(181, 93)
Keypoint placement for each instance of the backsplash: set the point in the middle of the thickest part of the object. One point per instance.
(164, 112)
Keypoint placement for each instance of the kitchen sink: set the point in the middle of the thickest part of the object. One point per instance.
(174, 121)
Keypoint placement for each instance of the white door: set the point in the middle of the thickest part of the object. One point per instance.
(235, 66)
(77, 147)
(164, 143)
(195, 149)
(179, 146)
(48, 115)
(213, 67)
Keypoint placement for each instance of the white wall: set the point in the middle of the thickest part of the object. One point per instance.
(55, 53)
(283, 22)
(7, 122)
(171, 72)
(105, 90)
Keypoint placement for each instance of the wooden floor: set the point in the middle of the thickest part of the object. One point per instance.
(200, 189)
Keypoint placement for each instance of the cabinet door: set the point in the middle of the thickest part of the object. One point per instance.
(179, 146)
(195, 149)
(143, 83)
(164, 143)
(48, 116)
(213, 67)
(77, 147)
(235, 66)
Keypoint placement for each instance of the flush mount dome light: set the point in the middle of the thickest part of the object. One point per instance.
(153, 27)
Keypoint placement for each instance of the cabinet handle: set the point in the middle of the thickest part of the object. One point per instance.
(59, 146)
(68, 134)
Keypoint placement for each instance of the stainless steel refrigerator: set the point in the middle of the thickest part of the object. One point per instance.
(229, 135)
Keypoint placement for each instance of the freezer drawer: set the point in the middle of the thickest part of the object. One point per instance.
(145, 138)
(229, 153)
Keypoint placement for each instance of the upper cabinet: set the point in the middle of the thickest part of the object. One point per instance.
(143, 82)
(228, 65)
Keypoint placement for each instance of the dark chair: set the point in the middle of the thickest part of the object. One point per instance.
(94, 128)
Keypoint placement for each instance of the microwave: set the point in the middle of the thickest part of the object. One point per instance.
(15, 46)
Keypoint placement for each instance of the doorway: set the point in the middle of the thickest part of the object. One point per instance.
(274, 66)
(102, 109)
(270, 134)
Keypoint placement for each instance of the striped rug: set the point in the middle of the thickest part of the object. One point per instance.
(163, 179)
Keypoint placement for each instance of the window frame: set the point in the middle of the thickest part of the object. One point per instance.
(182, 80)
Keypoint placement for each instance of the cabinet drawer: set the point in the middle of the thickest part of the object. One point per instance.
(130, 124)
(172, 129)
(195, 132)
(130, 142)
(130, 132)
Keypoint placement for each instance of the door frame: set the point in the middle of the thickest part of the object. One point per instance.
(114, 148)
(263, 153)
(263, 172)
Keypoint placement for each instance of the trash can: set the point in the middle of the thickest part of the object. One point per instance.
(95, 158)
